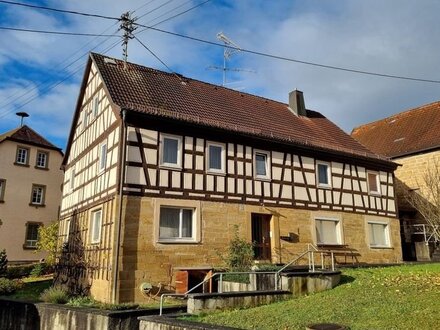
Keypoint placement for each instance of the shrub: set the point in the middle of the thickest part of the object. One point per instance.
(82, 301)
(3, 262)
(19, 271)
(8, 286)
(48, 241)
(240, 255)
(38, 270)
(55, 295)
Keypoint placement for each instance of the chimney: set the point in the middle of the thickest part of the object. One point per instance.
(296, 103)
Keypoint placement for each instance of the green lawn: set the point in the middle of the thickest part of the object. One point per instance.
(404, 297)
(32, 288)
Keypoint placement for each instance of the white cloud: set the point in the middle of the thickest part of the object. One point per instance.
(393, 37)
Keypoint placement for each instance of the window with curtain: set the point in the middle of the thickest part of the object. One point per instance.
(176, 223)
(378, 234)
(327, 231)
(103, 157)
(95, 232)
(215, 157)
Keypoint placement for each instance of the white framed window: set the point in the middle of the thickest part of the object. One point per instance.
(37, 195)
(328, 231)
(72, 179)
(102, 157)
(85, 118)
(95, 226)
(42, 159)
(176, 224)
(216, 157)
(66, 230)
(323, 174)
(2, 190)
(373, 181)
(171, 150)
(95, 109)
(31, 237)
(379, 234)
(262, 164)
(22, 157)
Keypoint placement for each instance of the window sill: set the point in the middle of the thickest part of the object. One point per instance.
(177, 241)
(41, 168)
(170, 167)
(95, 243)
(221, 173)
(266, 179)
(381, 247)
(331, 245)
(37, 205)
(324, 186)
(23, 165)
(26, 247)
(374, 193)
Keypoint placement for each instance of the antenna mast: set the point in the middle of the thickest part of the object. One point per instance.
(227, 52)
(127, 25)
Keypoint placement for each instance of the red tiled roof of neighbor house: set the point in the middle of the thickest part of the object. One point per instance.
(27, 135)
(408, 132)
(145, 90)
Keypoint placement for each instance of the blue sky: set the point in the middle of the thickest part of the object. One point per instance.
(396, 37)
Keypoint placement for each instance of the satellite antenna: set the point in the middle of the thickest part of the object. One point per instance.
(230, 49)
(22, 115)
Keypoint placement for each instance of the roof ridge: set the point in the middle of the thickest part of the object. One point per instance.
(411, 111)
(192, 79)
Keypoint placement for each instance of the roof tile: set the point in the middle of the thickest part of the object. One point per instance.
(404, 133)
(147, 90)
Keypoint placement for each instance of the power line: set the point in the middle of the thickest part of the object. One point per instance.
(57, 32)
(57, 10)
(153, 10)
(174, 16)
(157, 57)
(278, 57)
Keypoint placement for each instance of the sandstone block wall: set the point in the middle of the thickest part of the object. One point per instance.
(144, 259)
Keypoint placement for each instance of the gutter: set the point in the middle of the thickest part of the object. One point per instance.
(119, 218)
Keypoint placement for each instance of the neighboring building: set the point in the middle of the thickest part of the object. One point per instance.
(30, 191)
(412, 140)
(192, 160)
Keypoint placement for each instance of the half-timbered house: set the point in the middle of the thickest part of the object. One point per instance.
(160, 169)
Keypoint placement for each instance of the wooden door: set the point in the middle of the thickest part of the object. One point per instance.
(261, 236)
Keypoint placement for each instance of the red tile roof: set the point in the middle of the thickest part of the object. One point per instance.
(405, 133)
(150, 91)
(27, 135)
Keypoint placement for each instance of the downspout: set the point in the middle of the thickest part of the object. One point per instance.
(119, 218)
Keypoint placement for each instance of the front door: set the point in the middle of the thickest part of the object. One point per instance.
(261, 236)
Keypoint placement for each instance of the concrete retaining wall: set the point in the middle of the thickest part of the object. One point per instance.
(23, 315)
(166, 323)
(304, 284)
(203, 302)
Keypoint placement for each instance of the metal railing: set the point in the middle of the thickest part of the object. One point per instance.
(430, 233)
(309, 253)
(220, 286)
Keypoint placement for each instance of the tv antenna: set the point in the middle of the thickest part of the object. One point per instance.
(230, 49)
(22, 115)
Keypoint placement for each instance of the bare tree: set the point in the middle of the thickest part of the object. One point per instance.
(426, 197)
